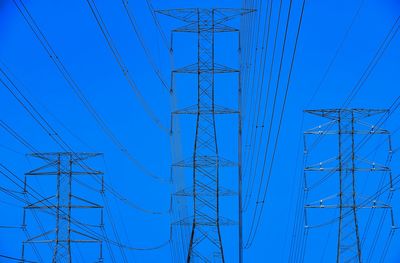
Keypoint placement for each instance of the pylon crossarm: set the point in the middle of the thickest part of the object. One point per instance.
(214, 69)
(34, 205)
(225, 14)
(91, 239)
(344, 131)
(32, 239)
(39, 241)
(90, 204)
(373, 166)
(190, 15)
(345, 113)
(205, 161)
(188, 28)
(86, 170)
(194, 110)
(188, 192)
(349, 206)
(372, 129)
(40, 170)
(322, 165)
(188, 221)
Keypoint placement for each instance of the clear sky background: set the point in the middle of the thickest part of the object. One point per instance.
(338, 39)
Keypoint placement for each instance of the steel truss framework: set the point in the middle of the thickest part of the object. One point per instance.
(205, 243)
(65, 166)
(347, 125)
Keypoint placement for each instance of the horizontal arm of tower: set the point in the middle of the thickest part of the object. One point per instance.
(214, 68)
(189, 15)
(357, 113)
(81, 156)
(54, 173)
(39, 241)
(44, 200)
(89, 203)
(188, 192)
(194, 110)
(85, 169)
(337, 169)
(84, 203)
(35, 238)
(89, 238)
(193, 28)
(206, 221)
(205, 161)
(61, 241)
(51, 167)
(357, 132)
(348, 206)
(65, 206)
(331, 165)
(37, 171)
(333, 202)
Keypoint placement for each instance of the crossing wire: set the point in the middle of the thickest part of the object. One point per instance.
(374, 62)
(257, 68)
(393, 108)
(383, 46)
(37, 196)
(106, 34)
(256, 220)
(366, 74)
(337, 52)
(78, 91)
(116, 243)
(158, 25)
(140, 37)
(54, 135)
(51, 132)
(260, 97)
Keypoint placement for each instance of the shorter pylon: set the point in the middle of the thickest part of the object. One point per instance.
(70, 170)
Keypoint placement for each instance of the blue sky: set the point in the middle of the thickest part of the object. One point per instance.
(76, 38)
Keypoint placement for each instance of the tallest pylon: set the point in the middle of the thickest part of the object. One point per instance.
(205, 244)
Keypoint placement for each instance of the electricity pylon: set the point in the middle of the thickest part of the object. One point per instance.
(66, 167)
(205, 244)
(348, 168)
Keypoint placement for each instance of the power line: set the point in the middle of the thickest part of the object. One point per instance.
(37, 196)
(374, 62)
(38, 117)
(140, 37)
(337, 52)
(52, 133)
(158, 25)
(77, 90)
(100, 22)
(256, 222)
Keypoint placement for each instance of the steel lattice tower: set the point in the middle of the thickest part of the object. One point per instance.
(351, 129)
(205, 243)
(65, 166)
